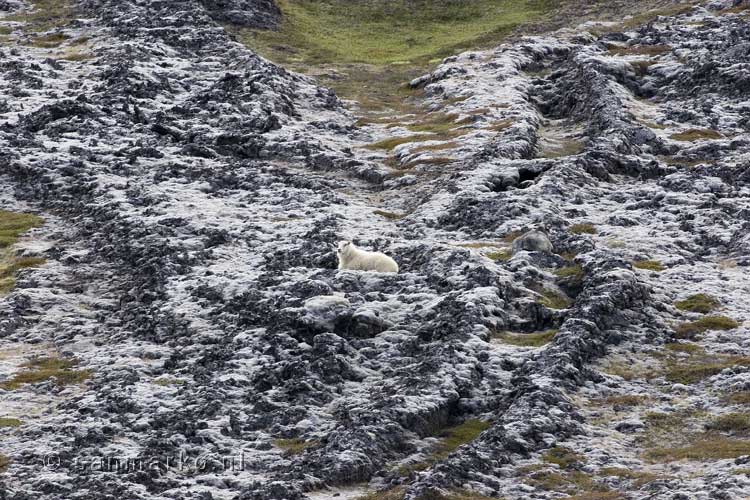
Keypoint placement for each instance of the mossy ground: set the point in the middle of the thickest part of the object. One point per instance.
(6, 422)
(388, 32)
(699, 303)
(43, 369)
(368, 50)
(537, 339)
(450, 440)
(503, 254)
(694, 329)
(294, 446)
(583, 228)
(12, 225)
(554, 300)
(649, 265)
(696, 135)
(4, 463)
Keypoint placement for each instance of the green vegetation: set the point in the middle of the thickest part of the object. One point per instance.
(639, 478)
(394, 32)
(700, 303)
(435, 147)
(43, 369)
(559, 148)
(584, 228)
(705, 446)
(167, 382)
(573, 482)
(396, 493)
(13, 224)
(739, 398)
(294, 446)
(624, 400)
(389, 215)
(554, 300)
(649, 265)
(9, 422)
(688, 348)
(504, 254)
(641, 50)
(49, 41)
(537, 339)
(695, 328)
(450, 440)
(461, 434)
(565, 458)
(701, 366)
(453, 495)
(730, 422)
(391, 143)
(47, 15)
(696, 134)
(4, 463)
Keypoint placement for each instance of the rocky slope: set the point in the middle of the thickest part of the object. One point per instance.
(191, 318)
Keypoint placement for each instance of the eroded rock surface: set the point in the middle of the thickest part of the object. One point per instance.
(194, 193)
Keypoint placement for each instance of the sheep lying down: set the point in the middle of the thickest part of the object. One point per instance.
(355, 259)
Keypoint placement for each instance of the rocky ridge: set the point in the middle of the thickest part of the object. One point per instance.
(193, 193)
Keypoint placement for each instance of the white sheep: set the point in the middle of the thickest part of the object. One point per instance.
(351, 257)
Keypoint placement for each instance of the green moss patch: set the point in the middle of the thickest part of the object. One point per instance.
(739, 398)
(294, 446)
(43, 369)
(4, 463)
(565, 458)
(459, 435)
(396, 493)
(584, 228)
(392, 142)
(641, 50)
(734, 423)
(456, 494)
(325, 31)
(537, 339)
(13, 224)
(698, 367)
(389, 215)
(504, 254)
(649, 265)
(708, 446)
(638, 478)
(700, 303)
(47, 15)
(625, 400)
(6, 422)
(695, 328)
(554, 300)
(696, 134)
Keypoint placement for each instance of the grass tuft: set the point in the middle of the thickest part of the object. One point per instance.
(294, 446)
(695, 134)
(730, 422)
(703, 447)
(641, 50)
(699, 303)
(6, 422)
(554, 300)
(43, 369)
(537, 339)
(584, 228)
(695, 328)
(565, 458)
(504, 254)
(649, 265)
